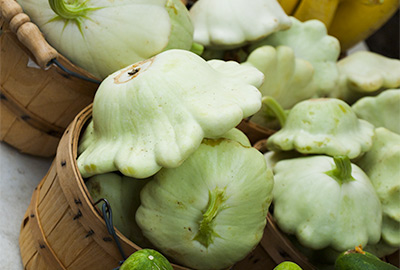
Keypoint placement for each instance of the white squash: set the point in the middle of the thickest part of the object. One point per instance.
(103, 36)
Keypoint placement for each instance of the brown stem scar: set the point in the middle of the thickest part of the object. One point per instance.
(134, 71)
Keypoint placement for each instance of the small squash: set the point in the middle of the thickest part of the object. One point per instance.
(146, 259)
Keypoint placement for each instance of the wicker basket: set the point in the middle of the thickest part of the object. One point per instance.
(63, 229)
(38, 99)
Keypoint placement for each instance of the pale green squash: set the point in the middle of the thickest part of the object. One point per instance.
(224, 24)
(365, 73)
(311, 42)
(155, 113)
(323, 126)
(210, 212)
(381, 164)
(382, 110)
(326, 202)
(103, 36)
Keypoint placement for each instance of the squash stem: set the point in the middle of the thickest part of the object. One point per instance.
(197, 48)
(342, 172)
(206, 233)
(277, 110)
(70, 11)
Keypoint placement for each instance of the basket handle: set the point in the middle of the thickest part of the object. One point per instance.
(27, 32)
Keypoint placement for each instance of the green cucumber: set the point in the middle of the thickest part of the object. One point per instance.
(146, 259)
(358, 259)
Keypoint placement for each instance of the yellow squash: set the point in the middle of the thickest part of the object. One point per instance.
(350, 21)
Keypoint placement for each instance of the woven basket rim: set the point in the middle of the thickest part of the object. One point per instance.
(71, 139)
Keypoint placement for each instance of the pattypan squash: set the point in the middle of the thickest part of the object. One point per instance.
(103, 36)
(381, 249)
(310, 41)
(227, 24)
(382, 110)
(323, 126)
(272, 157)
(155, 113)
(123, 195)
(287, 78)
(238, 136)
(210, 212)
(326, 202)
(364, 73)
(381, 164)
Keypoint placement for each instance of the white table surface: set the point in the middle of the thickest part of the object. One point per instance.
(19, 175)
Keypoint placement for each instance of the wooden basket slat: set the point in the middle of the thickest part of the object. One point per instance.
(47, 185)
(9, 56)
(34, 225)
(64, 101)
(38, 262)
(89, 259)
(48, 100)
(52, 215)
(73, 109)
(27, 247)
(24, 83)
(29, 139)
(69, 238)
(7, 120)
(8, 100)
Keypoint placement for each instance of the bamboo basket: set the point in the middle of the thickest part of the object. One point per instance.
(63, 229)
(38, 99)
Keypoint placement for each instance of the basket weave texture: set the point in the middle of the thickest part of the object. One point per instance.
(37, 102)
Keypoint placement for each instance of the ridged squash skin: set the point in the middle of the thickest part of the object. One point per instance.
(323, 126)
(381, 164)
(210, 212)
(229, 24)
(288, 77)
(311, 42)
(382, 110)
(155, 113)
(323, 210)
